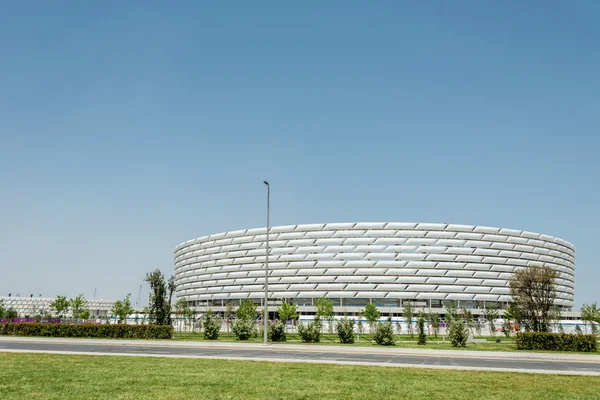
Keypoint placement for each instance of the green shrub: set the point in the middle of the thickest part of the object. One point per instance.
(458, 333)
(421, 329)
(345, 330)
(276, 331)
(244, 328)
(556, 341)
(117, 331)
(384, 334)
(311, 332)
(212, 325)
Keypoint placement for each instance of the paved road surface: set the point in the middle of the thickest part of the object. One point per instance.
(481, 361)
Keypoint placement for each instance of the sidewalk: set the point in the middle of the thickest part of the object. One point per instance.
(516, 355)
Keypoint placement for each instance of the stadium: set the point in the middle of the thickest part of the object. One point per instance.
(352, 264)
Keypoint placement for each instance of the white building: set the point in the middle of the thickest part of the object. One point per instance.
(352, 264)
(33, 306)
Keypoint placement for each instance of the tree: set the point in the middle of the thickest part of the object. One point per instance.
(160, 307)
(345, 330)
(372, 315)
(533, 290)
(325, 311)
(212, 325)
(468, 317)
(229, 312)
(384, 334)
(421, 329)
(287, 312)
(491, 315)
(434, 320)
(245, 320)
(11, 314)
(171, 287)
(457, 330)
(60, 306)
(590, 314)
(78, 305)
(2, 309)
(121, 309)
(408, 317)
(85, 315)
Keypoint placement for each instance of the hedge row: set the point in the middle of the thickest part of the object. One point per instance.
(120, 331)
(556, 341)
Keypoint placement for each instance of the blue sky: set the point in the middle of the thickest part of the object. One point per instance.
(129, 127)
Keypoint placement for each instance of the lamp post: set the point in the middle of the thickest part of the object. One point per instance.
(266, 309)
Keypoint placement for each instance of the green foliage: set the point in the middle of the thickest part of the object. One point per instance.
(287, 311)
(160, 297)
(421, 329)
(408, 315)
(11, 314)
(88, 330)
(384, 334)
(458, 332)
(121, 309)
(78, 305)
(590, 314)
(325, 311)
(247, 310)
(556, 341)
(60, 306)
(276, 331)
(360, 327)
(491, 314)
(244, 326)
(533, 290)
(345, 330)
(85, 315)
(310, 332)
(2, 308)
(372, 315)
(212, 325)
(434, 320)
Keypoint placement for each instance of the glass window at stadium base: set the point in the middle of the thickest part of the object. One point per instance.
(352, 264)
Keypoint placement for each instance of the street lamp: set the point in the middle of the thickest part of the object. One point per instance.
(266, 310)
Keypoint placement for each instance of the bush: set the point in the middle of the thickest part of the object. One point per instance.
(458, 332)
(421, 329)
(384, 334)
(311, 332)
(243, 329)
(345, 330)
(212, 326)
(117, 331)
(276, 331)
(556, 341)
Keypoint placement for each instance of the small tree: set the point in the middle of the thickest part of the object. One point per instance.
(159, 308)
(325, 311)
(533, 290)
(276, 331)
(590, 315)
(345, 330)
(122, 308)
(60, 306)
(457, 330)
(2, 309)
(408, 317)
(434, 320)
(11, 314)
(491, 315)
(421, 329)
(311, 332)
(246, 315)
(287, 312)
(469, 323)
(85, 315)
(384, 334)
(212, 325)
(78, 305)
(372, 315)
(182, 311)
(229, 312)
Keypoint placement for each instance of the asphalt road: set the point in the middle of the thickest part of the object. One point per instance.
(479, 362)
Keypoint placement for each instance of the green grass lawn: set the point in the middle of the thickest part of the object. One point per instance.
(44, 376)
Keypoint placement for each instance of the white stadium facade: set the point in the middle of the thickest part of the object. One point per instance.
(352, 264)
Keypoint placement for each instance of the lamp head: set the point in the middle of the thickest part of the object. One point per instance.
(266, 183)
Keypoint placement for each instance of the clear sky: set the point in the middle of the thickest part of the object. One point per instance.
(127, 127)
